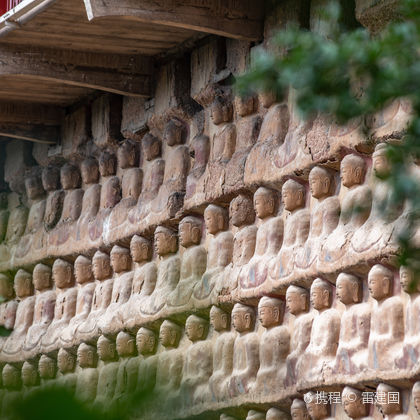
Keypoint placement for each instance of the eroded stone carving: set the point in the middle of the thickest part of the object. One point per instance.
(11, 378)
(55, 198)
(4, 216)
(87, 378)
(317, 411)
(389, 408)
(298, 410)
(30, 378)
(47, 367)
(66, 363)
(245, 350)
(387, 323)
(353, 404)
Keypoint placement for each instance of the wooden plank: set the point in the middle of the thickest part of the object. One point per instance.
(37, 133)
(26, 113)
(240, 19)
(121, 74)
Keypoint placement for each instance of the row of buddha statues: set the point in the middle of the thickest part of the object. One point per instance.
(264, 242)
(203, 374)
(332, 333)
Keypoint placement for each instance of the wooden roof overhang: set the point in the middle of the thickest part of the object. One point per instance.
(55, 52)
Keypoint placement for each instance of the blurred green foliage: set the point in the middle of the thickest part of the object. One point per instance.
(350, 74)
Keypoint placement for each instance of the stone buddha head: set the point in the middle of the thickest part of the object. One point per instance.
(175, 132)
(83, 270)
(407, 280)
(146, 341)
(23, 284)
(352, 401)
(33, 186)
(86, 356)
(107, 164)
(6, 287)
(255, 415)
(219, 319)
(380, 282)
(106, 348)
(352, 170)
(267, 99)
(89, 169)
(320, 182)
(386, 403)
(270, 311)
(276, 414)
(169, 334)
(221, 109)
(416, 396)
(196, 328)
(316, 411)
(243, 318)
(127, 154)
(50, 178)
(380, 162)
(66, 361)
(189, 231)
(293, 195)
(264, 202)
(120, 259)
(166, 241)
(348, 289)
(140, 249)
(297, 300)
(131, 183)
(321, 294)
(151, 147)
(101, 266)
(298, 410)
(244, 105)
(47, 367)
(30, 375)
(200, 151)
(126, 344)
(241, 211)
(11, 377)
(62, 274)
(42, 277)
(215, 218)
(70, 177)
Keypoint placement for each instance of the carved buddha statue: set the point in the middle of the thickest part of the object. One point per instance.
(170, 361)
(355, 326)
(246, 360)
(16, 223)
(87, 378)
(43, 311)
(198, 363)
(55, 198)
(111, 321)
(169, 266)
(107, 373)
(66, 363)
(390, 408)
(416, 396)
(222, 354)
(325, 214)
(387, 321)
(298, 410)
(355, 208)
(219, 255)
(255, 415)
(316, 410)
(193, 261)
(65, 304)
(144, 281)
(297, 303)
(12, 383)
(30, 378)
(377, 230)
(296, 230)
(35, 194)
(325, 332)
(275, 414)
(268, 240)
(8, 307)
(353, 404)
(411, 347)
(47, 367)
(274, 347)
(88, 329)
(127, 154)
(107, 164)
(242, 216)
(12, 349)
(85, 290)
(200, 154)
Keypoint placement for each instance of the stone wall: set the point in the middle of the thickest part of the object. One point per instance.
(218, 249)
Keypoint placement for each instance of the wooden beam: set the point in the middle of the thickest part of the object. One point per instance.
(121, 74)
(30, 122)
(240, 19)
